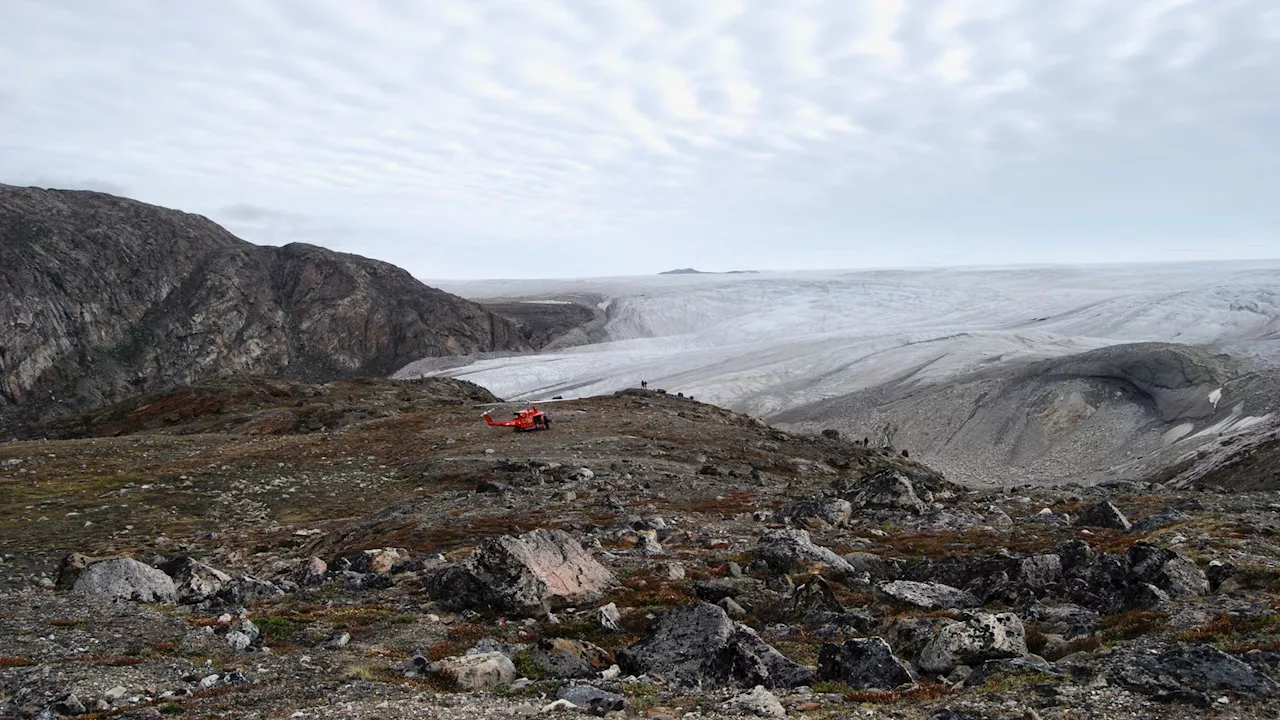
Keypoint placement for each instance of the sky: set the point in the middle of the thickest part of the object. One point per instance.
(570, 138)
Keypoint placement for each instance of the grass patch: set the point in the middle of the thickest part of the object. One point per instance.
(360, 672)
(1131, 625)
(921, 693)
(1238, 633)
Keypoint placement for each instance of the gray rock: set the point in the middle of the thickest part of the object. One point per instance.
(1174, 574)
(889, 489)
(832, 511)
(379, 561)
(238, 640)
(310, 573)
(876, 567)
(467, 673)
(528, 574)
(565, 658)
(1010, 667)
(698, 646)
(195, 581)
(788, 551)
(978, 638)
(1066, 619)
(928, 595)
(126, 579)
(69, 570)
(1104, 515)
(1191, 674)
(69, 705)
(815, 599)
(248, 590)
(758, 702)
(732, 608)
(609, 617)
(1040, 572)
(592, 699)
(863, 664)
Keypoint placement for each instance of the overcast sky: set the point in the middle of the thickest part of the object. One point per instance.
(527, 138)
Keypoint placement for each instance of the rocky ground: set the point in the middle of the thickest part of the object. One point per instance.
(372, 550)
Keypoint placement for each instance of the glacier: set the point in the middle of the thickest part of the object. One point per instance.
(767, 342)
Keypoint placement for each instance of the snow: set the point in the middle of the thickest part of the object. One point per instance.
(768, 342)
(1215, 397)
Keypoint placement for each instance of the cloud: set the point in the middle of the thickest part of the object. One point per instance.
(599, 125)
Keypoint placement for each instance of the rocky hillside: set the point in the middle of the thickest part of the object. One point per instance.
(199, 554)
(103, 297)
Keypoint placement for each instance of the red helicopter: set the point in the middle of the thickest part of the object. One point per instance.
(524, 421)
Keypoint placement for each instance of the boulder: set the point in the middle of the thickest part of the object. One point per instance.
(69, 570)
(126, 579)
(788, 551)
(248, 590)
(483, 671)
(1104, 515)
(889, 490)
(378, 561)
(528, 574)
(195, 581)
(1040, 572)
(310, 573)
(815, 599)
(832, 511)
(699, 646)
(1067, 619)
(1192, 674)
(592, 699)
(978, 638)
(564, 658)
(1174, 574)
(876, 567)
(928, 595)
(609, 617)
(863, 664)
(758, 702)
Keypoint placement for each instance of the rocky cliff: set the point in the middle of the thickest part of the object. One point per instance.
(102, 297)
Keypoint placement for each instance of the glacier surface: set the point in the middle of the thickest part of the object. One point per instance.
(768, 342)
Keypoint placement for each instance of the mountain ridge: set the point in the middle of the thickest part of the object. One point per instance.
(106, 297)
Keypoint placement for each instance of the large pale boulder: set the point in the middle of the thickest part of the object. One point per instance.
(788, 551)
(978, 638)
(528, 574)
(126, 579)
(482, 671)
(928, 595)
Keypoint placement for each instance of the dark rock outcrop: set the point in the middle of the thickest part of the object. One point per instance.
(1104, 515)
(863, 664)
(102, 297)
(195, 581)
(1190, 674)
(698, 646)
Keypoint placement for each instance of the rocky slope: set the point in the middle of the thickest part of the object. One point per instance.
(648, 556)
(1126, 411)
(103, 297)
